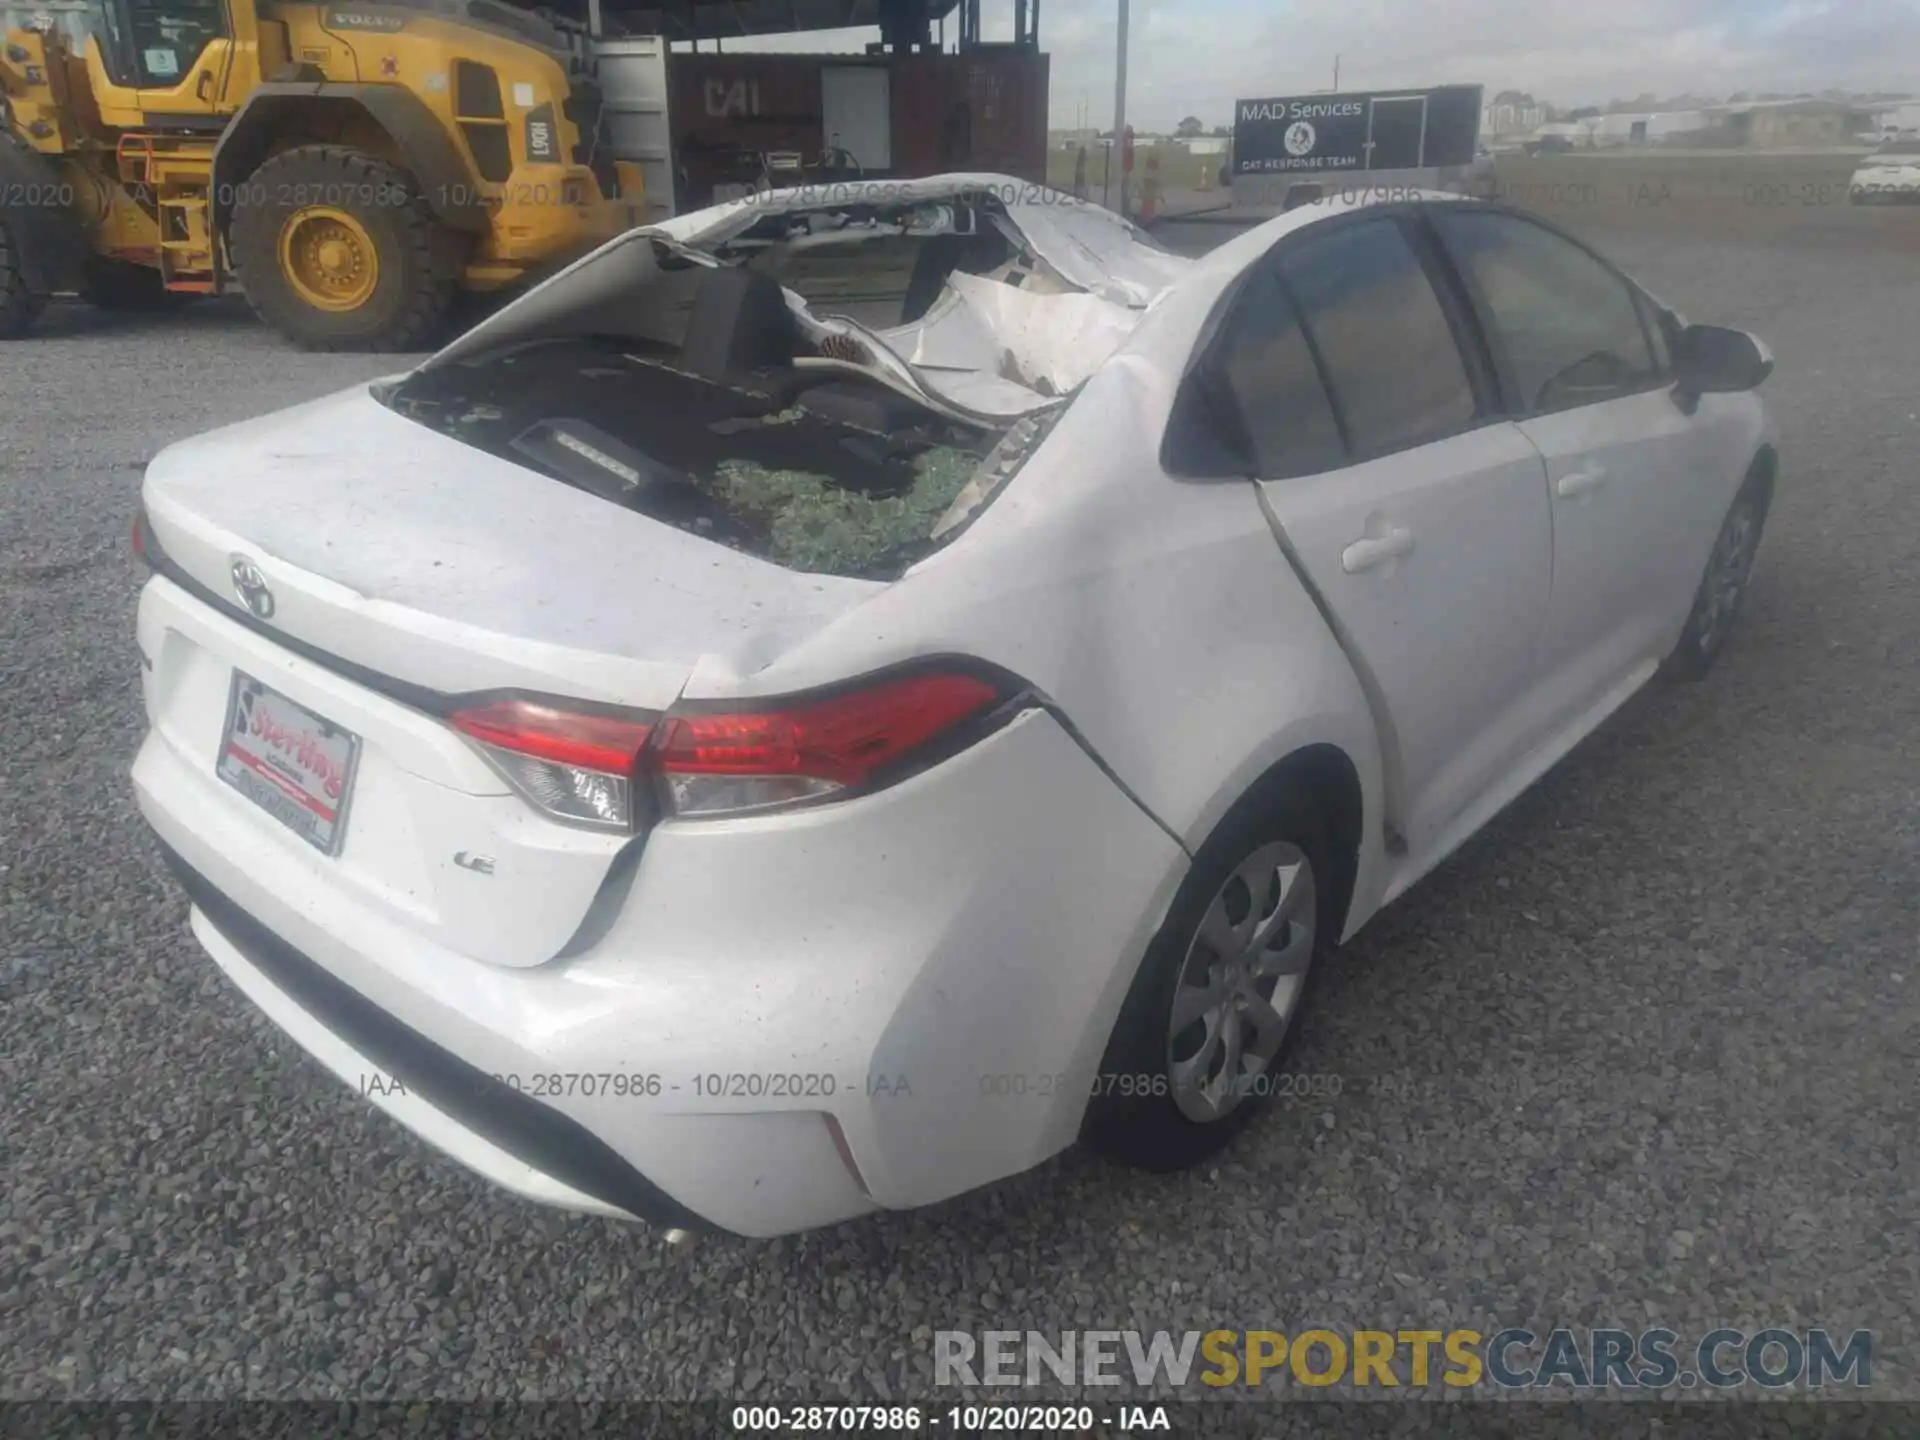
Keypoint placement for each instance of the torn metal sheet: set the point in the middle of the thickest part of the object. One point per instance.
(951, 337)
(985, 393)
(1052, 342)
(1097, 251)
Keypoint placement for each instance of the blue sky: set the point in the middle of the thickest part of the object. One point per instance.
(1197, 56)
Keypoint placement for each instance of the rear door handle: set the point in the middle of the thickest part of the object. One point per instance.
(1578, 482)
(1365, 554)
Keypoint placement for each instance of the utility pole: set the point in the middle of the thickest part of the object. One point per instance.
(1336, 73)
(1120, 100)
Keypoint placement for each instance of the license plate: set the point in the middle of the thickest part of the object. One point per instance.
(289, 761)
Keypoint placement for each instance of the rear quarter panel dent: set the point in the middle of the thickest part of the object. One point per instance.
(1160, 617)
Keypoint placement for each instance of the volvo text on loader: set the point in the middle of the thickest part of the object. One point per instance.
(350, 165)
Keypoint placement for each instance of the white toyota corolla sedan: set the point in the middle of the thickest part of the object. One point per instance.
(698, 754)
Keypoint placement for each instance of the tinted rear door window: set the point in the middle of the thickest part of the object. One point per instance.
(1388, 351)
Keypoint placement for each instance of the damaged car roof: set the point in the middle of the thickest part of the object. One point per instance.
(990, 348)
(1091, 247)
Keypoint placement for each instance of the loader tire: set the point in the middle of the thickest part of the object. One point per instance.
(337, 250)
(19, 306)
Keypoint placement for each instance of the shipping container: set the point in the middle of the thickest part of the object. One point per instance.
(742, 122)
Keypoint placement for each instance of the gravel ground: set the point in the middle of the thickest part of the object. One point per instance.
(1643, 1053)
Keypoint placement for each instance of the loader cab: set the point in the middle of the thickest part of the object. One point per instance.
(168, 58)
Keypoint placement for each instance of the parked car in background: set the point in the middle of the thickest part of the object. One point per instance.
(1550, 145)
(1889, 176)
(695, 757)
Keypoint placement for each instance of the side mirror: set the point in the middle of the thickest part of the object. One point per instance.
(1713, 360)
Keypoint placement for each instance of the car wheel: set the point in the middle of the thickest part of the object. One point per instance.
(1723, 589)
(1220, 993)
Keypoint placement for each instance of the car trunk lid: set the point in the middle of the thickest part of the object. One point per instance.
(405, 552)
(406, 569)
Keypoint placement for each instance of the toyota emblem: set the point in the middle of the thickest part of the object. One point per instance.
(251, 586)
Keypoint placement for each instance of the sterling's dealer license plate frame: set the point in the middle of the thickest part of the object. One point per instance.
(283, 757)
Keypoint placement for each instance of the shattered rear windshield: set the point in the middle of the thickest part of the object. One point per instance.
(830, 472)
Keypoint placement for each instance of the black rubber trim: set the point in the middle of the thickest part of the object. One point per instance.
(538, 1134)
(184, 124)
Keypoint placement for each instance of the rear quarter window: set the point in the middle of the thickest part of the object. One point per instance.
(1269, 371)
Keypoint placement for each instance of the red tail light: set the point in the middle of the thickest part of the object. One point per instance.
(752, 760)
(583, 766)
(592, 742)
(577, 766)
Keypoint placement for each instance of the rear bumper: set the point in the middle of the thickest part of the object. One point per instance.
(877, 1004)
(502, 1133)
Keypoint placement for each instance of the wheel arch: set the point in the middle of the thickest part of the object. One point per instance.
(1326, 776)
(421, 143)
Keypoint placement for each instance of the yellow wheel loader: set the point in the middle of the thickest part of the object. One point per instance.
(350, 166)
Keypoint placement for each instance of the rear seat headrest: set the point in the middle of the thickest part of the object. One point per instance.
(740, 323)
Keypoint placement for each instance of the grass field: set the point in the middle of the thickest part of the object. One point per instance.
(1179, 169)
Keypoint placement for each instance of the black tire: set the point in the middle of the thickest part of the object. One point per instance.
(1134, 1115)
(119, 285)
(19, 306)
(1722, 590)
(414, 287)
